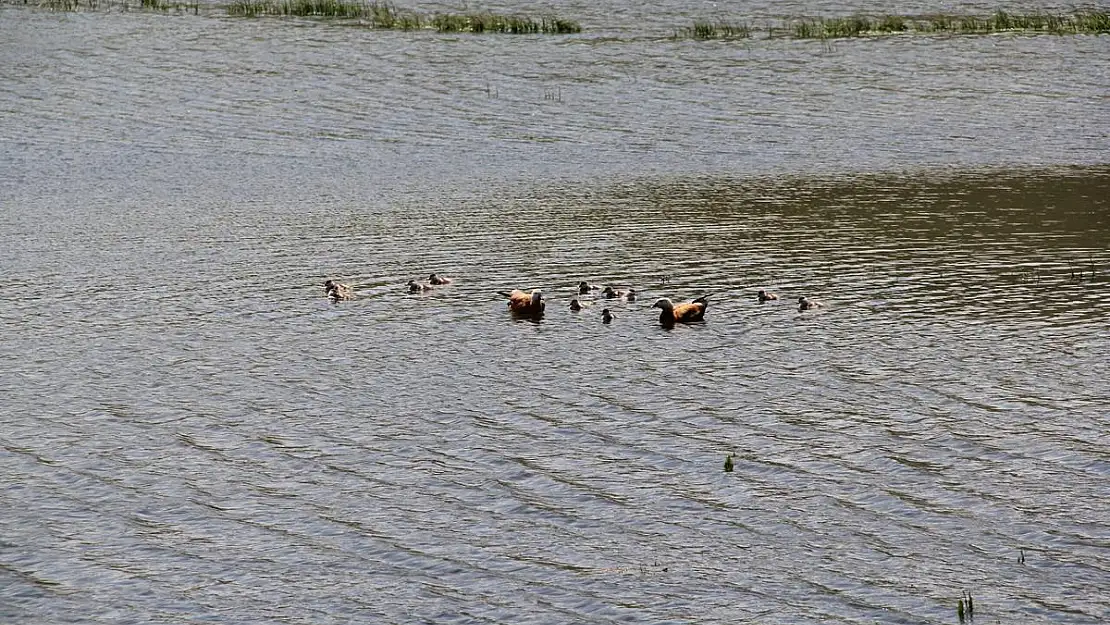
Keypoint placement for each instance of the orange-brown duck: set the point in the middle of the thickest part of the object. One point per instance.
(687, 312)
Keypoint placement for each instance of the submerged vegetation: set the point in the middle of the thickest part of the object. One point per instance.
(122, 5)
(1079, 22)
(384, 15)
(1001, 21)
(716, 30)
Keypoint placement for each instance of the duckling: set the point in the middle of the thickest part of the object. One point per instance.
(337, 291)
(522, 303)
(584, 287)
(419, 287)
(764, 296)
(804, 303)
(439, 280)
(576, 305)
(611, 293)
(688, 312)
(606, 316)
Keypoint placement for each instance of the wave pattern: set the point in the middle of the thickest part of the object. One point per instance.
(192, 431)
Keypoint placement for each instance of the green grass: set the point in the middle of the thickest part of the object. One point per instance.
(715, 30)
(301, 8)
(1081, 22)
(507, 24)
(385, 16)
(124, 5)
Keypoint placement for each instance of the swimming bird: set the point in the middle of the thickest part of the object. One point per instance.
(804, 303)
(764, 296)
(522, 303)
(606, 316)
(419, 287)
(611, 293)
(337, 291)
(438, 280)
(584, 287)
(681, 313)
(576, 305)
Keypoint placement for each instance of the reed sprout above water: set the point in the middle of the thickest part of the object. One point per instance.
(386, 16)
(715, 30)
(1091, 22)
(164, 6)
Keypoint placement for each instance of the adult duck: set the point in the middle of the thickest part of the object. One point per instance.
(687, 312)
(521, 303)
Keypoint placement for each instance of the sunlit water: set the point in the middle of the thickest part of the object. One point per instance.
(191, 432)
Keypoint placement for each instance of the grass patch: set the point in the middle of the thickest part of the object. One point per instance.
(1081, 22)
(142, 5)
(715, 30)
(385, 16)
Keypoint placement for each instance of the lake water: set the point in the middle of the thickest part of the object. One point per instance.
(191, 432)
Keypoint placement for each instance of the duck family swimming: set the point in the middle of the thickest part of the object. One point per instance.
(532, 303)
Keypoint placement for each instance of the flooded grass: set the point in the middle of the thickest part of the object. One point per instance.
(1081, 22)
(108, 5)
(715, 30)
(494, 23)
(386, 16)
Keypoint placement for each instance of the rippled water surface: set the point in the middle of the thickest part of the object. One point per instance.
(191, 432)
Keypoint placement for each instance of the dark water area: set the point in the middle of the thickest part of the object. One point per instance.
(190, 431)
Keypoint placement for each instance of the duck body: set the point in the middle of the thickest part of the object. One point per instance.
(611, 293)
(606, 316)
(584, 287)
(337, 291)
(764, 296)
(521, 303)
(438, 280)
(419, 287)
(804, 303)
(687, 312)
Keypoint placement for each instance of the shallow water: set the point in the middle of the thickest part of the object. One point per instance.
(192, 432)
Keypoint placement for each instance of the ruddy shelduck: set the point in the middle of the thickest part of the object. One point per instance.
(688, 312)
(522, 303)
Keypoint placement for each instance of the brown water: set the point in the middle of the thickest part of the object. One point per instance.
(190, 431)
